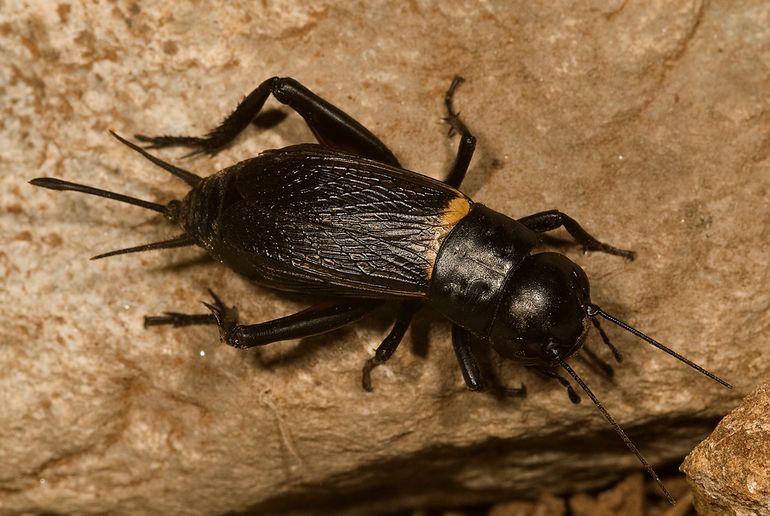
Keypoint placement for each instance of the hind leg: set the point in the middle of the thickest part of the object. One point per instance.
(330, 125)
(315, 320)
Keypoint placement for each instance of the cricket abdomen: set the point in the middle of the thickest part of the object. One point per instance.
(307, 218)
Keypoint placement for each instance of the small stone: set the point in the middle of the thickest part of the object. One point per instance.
(730, 471)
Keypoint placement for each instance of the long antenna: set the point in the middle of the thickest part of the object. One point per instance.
(593, 311)
(179, 241)
(58, 184)
(631, 446)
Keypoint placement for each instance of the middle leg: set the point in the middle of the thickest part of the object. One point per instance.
(467, 140)
(388, 346)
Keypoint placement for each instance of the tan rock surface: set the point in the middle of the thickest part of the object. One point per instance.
(648, 122)
(730, 471)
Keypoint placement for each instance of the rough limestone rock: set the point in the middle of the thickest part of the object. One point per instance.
(649, 122)
(729, 471)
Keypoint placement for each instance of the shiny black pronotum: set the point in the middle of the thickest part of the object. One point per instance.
(341, 220)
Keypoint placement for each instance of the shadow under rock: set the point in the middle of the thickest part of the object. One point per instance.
(432, 477)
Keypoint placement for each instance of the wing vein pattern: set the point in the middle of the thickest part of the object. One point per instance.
(307, 218)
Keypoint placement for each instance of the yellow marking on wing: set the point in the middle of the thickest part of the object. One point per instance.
(456, 210)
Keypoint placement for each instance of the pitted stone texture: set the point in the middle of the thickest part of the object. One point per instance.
(730, 471)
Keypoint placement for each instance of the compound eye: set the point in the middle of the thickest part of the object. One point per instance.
(579, 283)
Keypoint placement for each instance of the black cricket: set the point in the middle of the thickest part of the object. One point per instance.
(342, 220)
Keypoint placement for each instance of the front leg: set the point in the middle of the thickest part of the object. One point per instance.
(469, 366)
(552, 219)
